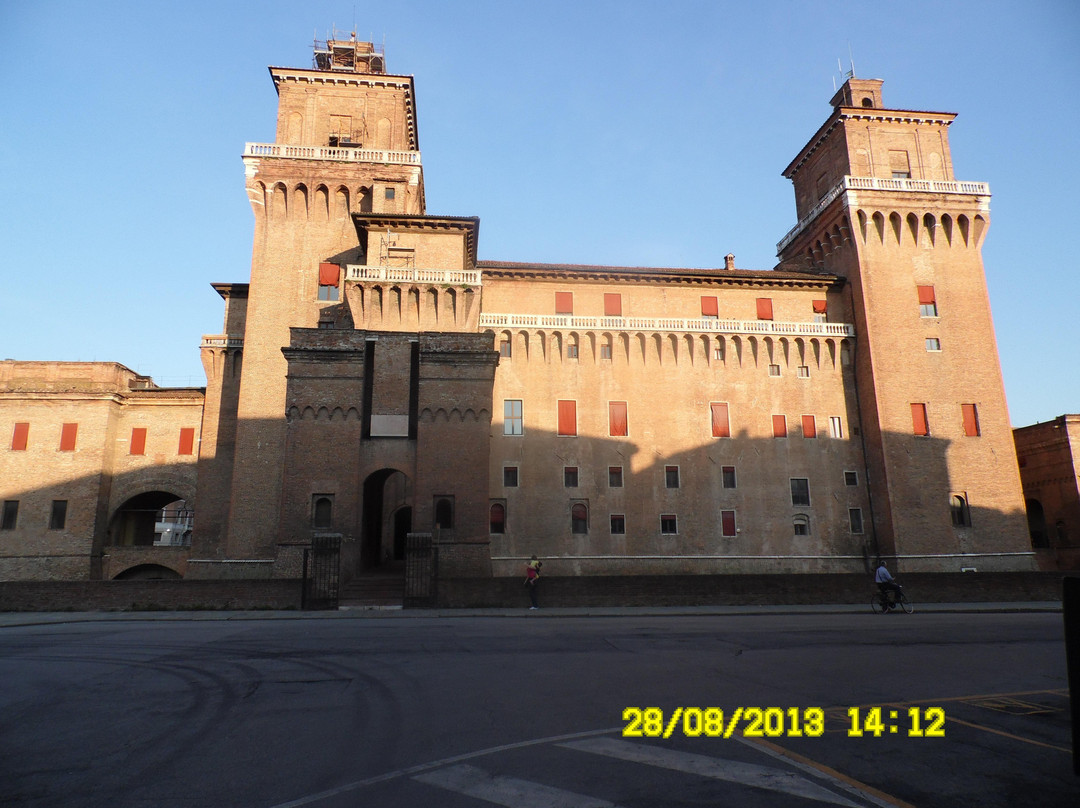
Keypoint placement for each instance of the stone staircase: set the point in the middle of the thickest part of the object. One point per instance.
(376, 589)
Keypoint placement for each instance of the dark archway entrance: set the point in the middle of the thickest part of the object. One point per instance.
(152, 518)
(387, 518)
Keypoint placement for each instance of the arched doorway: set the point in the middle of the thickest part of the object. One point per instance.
(387, 518)
(152, 518)
(1037, 524)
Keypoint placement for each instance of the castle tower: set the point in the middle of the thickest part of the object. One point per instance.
(878, 204)
(346, 143)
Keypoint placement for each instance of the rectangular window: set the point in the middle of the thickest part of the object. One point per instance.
(605, 351)
(504, 348)
(709, 308)
(138, 441)
(933, 344)
(721, 426)
(809, 426)
(568, 418)
(718, 353)
(821, 311)
(899, 164)
(728, 475)
(764, 308)
(668, 523)
(836, 427)
(927, 302)
(564, 303)
(11, 514)
(571, 350)
(187, 441)
(919, 424)
(510, 476)
(617, 426)
(69, 433)
(569, 477)
(58, 514)
(774, 370)
(855, 520)
(329, 278)
(851, 478)
(671, 476)
(328, 293)
(19, 437)
(612, 305)
(971, 420)
(512, 420)
(618, 524)
(614, 476)
(779, 426)
(390, 193)
(800, 491)
(804, 372)
(727, 523)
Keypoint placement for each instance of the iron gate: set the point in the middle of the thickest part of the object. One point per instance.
(322, 566)
(421, 561)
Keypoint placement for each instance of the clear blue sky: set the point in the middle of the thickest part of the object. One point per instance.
(585, 132)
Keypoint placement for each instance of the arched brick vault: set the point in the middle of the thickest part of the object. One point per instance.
(180, 480)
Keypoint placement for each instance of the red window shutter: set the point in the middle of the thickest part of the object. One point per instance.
(821, 307)
(764, 308)
(138, 441)
(809, 426)
(918, 419)
(721, 426)
(926, 295)
(617, 418)
(68, 434)
(564, 303)
(328, 274)
(187, 440)
(612, 305)
(727, 523)
(779, 426)
(971, 420)
(18, 439)
(709, 307)
(567, 417)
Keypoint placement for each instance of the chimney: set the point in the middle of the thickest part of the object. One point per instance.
(729, 261)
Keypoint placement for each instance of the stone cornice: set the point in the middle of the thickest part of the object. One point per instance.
(654, 275)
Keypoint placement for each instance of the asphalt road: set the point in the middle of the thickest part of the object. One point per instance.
(529, 712)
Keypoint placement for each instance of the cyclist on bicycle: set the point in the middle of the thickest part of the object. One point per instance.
(887, 583)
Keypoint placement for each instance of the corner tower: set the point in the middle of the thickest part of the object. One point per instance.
(346, 143)
(878, 204)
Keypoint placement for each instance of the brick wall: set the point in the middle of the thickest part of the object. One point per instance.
(37, 596)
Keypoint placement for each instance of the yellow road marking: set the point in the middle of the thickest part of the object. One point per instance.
(1007, 734)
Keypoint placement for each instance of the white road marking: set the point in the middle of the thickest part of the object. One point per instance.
(508, 791)
(732, 771)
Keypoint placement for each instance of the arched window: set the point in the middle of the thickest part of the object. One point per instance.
(322, 511)
(961, 514)
(579, 519)
(444, 513)
(498, 518)
(801, 525)
(1036, 518)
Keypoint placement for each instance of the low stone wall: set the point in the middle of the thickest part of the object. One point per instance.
(736, 590)
(88, 596)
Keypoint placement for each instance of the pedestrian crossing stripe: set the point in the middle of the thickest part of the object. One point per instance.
(508, 791)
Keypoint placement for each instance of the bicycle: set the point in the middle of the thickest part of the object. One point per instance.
(883, 602)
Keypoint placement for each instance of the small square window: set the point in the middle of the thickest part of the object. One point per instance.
(570, 477)
(571, 350)
(614, 477)
(668, 523)
(800, 491)
(58, 514)
(801, 525)
(804, 371)
(504, 348)
(389, 193)
(671, 476)
(928, 309)
(851, 478)
(618, 524)
(510, 476)
(933, 344)
(605, 351)
(326, 324)
(329, 293)
(728, 475)
(774, 370)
